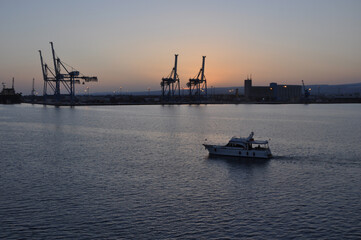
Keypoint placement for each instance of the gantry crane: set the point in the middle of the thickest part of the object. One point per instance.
(58, 79)
(305, 91)
(198, 86)
(170, 84)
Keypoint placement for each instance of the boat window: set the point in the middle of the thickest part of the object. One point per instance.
(261, 146)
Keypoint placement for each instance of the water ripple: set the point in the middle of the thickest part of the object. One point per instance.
(141, 172)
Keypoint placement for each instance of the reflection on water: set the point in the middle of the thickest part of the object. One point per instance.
(239, 161)
(142, 172)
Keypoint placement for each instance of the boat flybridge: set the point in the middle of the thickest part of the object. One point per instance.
(242, 147)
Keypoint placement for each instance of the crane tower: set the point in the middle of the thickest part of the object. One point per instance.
(170, 84)
(305, 91)
(198, 85)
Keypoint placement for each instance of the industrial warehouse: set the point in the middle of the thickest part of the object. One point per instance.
(273, 92)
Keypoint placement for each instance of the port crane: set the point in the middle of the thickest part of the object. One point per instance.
(198, 84)
(56, 78)
(305, 91)
(170, 84)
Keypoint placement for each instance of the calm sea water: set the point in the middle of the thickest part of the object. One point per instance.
(141, 172)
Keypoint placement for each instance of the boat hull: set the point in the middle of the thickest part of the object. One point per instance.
(238, 152)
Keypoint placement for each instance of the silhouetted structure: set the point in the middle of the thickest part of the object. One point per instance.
(33, 88)
(9, 96)
(306, 92)
(33, 92)
(274, 92)
(67, 80)
(198, 86)
(170, 84)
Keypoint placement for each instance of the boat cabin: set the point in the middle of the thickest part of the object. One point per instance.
(248, 144)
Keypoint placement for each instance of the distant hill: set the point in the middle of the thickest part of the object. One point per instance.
(342, 89)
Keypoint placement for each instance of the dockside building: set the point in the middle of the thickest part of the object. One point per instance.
(273, 92)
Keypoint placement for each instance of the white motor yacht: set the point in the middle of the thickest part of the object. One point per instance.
(242, 147)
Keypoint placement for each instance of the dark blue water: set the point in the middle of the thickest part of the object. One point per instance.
(141, 172)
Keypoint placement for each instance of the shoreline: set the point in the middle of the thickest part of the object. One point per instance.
(186, 103)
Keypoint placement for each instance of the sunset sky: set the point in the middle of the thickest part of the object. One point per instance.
(131, 44)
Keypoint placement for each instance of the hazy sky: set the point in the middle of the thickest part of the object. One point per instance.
(131, 44)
